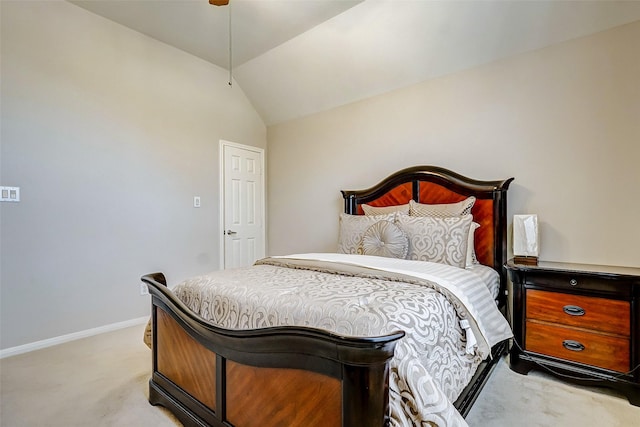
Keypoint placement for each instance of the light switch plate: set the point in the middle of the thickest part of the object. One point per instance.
(10, 194)
(196, 201)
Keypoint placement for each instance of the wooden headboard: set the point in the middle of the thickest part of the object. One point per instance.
(435, 185)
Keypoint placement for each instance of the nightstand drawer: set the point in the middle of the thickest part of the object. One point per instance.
(583, 282)
(599, 314)
(594, 349)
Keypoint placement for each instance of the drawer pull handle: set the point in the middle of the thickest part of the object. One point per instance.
(573, 310)
(573, 282)
(572, 345)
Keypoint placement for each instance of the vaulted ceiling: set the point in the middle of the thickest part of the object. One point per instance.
(297, 57)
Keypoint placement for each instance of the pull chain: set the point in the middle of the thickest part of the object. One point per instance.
(230, 50)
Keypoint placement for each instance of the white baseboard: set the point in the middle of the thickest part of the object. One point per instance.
(13, 351)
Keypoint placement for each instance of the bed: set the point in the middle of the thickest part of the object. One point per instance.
(220, 359)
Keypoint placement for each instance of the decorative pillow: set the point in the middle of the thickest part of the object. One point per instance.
(442, 240)
(376, 210)
(385, 239)
(352, 228)
(443, 210)
(471, 245)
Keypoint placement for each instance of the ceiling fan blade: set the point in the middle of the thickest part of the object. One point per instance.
(219, 2)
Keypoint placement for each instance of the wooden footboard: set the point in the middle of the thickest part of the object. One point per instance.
(280, 376)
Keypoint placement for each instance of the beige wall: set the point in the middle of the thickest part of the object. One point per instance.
(109, 134)
(564, 121)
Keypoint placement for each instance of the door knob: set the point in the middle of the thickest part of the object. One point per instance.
(230, 232)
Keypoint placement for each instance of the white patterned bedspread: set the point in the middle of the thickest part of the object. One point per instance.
(357, 295)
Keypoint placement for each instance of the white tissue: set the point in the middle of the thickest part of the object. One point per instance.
(525, 235)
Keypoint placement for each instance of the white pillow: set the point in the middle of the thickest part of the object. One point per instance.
(442, 240)
(381, 210)
(385, 239)
(352, 228)
(442, 210)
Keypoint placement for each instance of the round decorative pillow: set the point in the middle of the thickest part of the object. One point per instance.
(386, 239)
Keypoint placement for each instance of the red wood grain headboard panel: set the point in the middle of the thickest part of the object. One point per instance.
(399, 195)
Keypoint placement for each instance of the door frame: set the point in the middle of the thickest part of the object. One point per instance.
(221, 226)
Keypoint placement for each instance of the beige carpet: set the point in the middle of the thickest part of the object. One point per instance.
(96, 381)
(539, 400)
(102, 381)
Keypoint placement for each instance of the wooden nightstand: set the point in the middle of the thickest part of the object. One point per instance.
(579, 322)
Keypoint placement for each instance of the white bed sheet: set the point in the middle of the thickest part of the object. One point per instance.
(489, 277)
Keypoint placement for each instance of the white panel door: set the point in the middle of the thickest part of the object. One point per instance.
(243, 205)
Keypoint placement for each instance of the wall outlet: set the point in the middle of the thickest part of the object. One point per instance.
(10, 194)
(144, 290)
